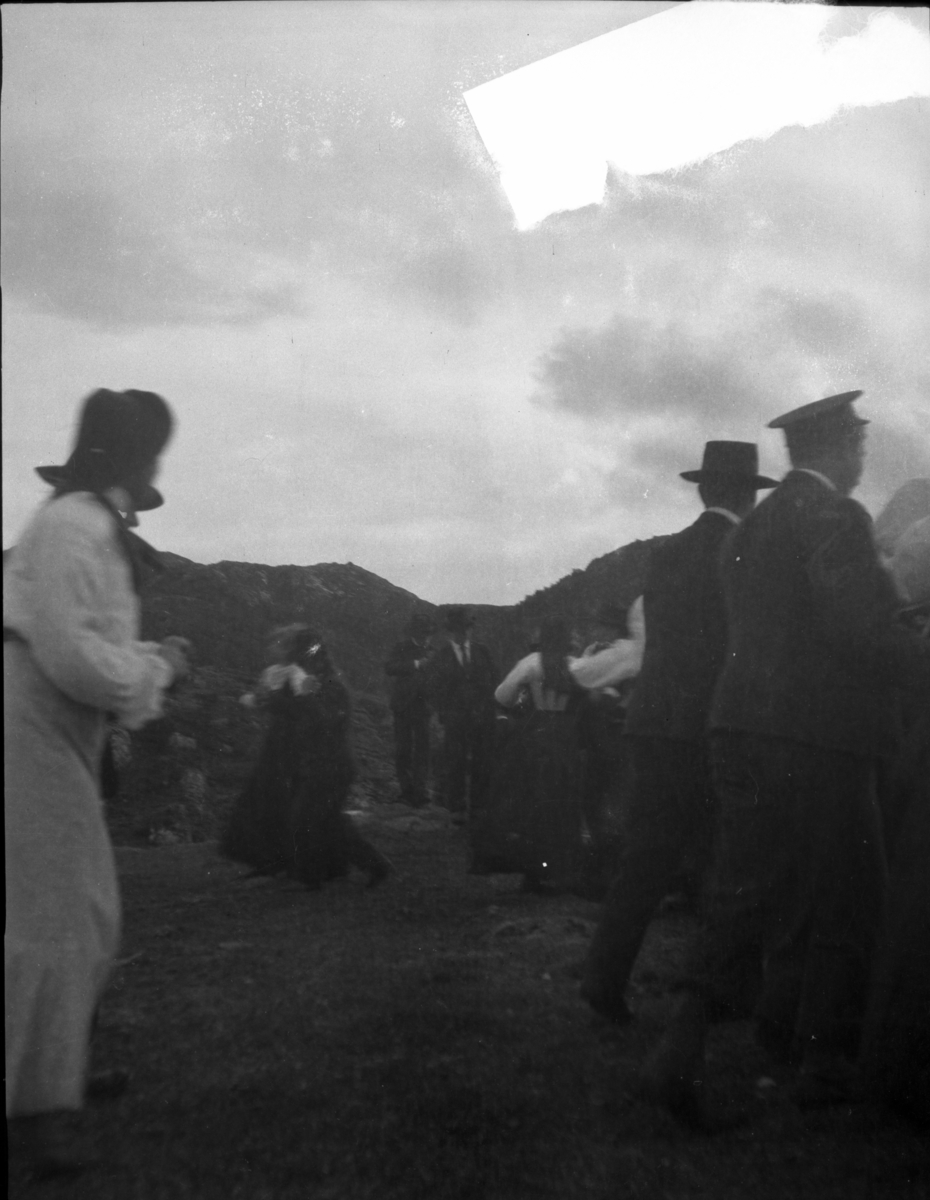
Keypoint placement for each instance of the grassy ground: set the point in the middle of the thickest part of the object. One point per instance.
(421, 1041)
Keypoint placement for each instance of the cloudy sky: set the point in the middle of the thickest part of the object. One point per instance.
(282, 217)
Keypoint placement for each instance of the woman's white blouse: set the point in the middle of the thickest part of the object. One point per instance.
(528, 673)
(67, 592)
(620, 661)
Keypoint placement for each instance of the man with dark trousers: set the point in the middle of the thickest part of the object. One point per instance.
(804, 705)
(406, 669)
(462, 681)
(669, 818)
(607, 670)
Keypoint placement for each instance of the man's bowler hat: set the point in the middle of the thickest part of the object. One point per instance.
(118, 435)
(730, 461)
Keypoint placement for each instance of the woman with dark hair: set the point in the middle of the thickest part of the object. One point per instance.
(544, 801)
(291, 817)
(71, 656)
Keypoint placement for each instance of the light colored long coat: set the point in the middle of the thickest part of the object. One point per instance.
(75, 656)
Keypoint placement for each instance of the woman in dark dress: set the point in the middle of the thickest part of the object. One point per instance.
(291, 815)
(540, 815)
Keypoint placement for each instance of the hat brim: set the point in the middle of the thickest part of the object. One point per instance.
(146, 499)
(759, 482)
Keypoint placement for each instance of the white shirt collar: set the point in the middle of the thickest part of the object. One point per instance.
(724, 512)
(819, 475)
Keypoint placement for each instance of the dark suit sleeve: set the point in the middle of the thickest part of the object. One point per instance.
(855, 602)
(436, 680)
(491, 675)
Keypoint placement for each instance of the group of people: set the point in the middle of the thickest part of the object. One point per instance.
(761, 728)
(775, 742)
(530, 760)
(780, 740)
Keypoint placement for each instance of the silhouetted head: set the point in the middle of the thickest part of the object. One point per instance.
(827, 436)
(119, 438)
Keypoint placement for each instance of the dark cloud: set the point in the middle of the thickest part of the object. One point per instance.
(310, 183)
(75, 247)
(635, 365)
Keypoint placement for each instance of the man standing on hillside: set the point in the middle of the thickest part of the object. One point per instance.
(804, 706)
(669, 819)
(462, 681)
(406, 670)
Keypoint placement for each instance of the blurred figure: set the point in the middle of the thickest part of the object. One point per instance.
(461, 676)
(291, 817)
(910, 563)
(909, 504)
(406, 669)
(71, 656)
(805, 703)
(668, 822)
(902, 534)
(545, 816)
(895, 1052)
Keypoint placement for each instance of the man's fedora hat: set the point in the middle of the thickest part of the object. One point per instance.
(119, 434)
(835, 414)
(736, 461)
(458, 619)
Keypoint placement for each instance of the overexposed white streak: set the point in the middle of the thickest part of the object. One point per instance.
(687, 83)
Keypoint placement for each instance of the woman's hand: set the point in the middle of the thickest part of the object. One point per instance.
(310, 685)
(174, 650)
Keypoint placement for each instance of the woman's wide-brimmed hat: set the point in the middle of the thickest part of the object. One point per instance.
(119, 434)
(297, 641)
(736, 461)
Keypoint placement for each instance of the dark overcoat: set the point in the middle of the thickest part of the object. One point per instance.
(814, 652)
(686, 633)
(463, 694)
(408, 682)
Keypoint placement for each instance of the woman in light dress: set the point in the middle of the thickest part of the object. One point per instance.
(71, 656)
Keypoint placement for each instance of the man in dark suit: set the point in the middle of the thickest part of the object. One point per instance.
(670, 811)
(462, 681)
(804, 705)
(406, 668)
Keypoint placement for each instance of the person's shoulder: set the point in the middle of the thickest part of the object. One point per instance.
(529, 664)
(799, 501)
(75, 522)
(841, 543)
(835, 515)
(77, 512)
